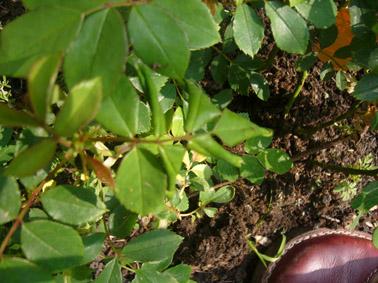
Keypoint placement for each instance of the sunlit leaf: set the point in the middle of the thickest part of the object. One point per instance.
(152, 246)
(32, 159)
(141, 182)
(52, 245)
(10, 200)
(158, 41)
(111, 273)
(248, 30)
(72, 205)
(90, 55)
(289, 29)
(80, 107)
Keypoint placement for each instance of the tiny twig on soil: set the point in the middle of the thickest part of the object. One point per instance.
(345, 170)
(35, 193)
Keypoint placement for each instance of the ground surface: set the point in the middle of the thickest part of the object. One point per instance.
(301, 199)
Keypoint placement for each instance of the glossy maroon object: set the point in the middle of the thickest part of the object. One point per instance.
(326, 256)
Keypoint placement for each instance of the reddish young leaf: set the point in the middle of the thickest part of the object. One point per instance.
(103, 173)
(344, 38)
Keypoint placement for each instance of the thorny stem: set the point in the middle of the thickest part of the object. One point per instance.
(346, 170)
(35, 193)
(298, 90)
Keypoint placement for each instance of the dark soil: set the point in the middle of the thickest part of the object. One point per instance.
(302, 199)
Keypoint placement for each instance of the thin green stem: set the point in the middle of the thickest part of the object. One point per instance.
(298, 90)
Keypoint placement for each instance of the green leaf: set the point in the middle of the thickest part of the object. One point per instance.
(275, 160)
(15, 270)
(289, 29)
(157, 40)
(226, 171)
(41, 82)
(219, 69)
(306, 62)
(52, 245)
(373, 61)
(172, 156)
(198, 62)
(150, 90)
(295, 2)
(72, 205)
(206, 145)
(210, 211)
(93, 244)
(13, 118)
(180, 272)
(180, 201)
(223, 98)
(375, 238)
(32, 159)
(10, 200)
(121, 222)
(145, 275)
(144, 118)
(111, 273)
(259, 86)
(201, 109)
(80, 107)
(194, 19)
(20, 44)
(167, 97)
(152, 246)
(90, 55)
(341, 81)
(177, 127)
(322, 13)
(252, 170)
(141, 182)
(239, 79)
(37, 214)
(374, 122)
(222, 195)
(80, 5)
(257, 143)
(232, 128)
(120, 110)
(367, 88)
(248, 30)
(367, 199)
